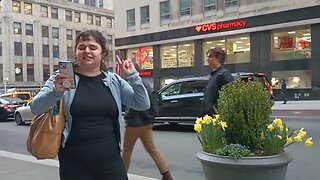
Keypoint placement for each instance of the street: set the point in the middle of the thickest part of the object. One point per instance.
(179, 144)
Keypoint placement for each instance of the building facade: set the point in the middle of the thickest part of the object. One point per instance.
(170, 38)
(35, 35)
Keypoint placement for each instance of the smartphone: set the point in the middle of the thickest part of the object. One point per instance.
(67, 67)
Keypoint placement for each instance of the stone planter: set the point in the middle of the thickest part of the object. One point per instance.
(217, 167)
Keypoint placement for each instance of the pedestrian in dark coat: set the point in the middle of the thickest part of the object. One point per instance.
(284, 91)
(219, 77)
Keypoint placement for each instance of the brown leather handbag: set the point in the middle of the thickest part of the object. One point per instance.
(44, 139)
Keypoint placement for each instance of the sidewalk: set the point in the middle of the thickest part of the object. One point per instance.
(23, 167)
(312, 105)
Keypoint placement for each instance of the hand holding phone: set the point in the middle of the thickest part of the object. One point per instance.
(67, 68)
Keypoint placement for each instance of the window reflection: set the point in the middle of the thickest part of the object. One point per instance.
(16, 7)
(142, 56)
(291, 44)
(28, 8)
(294, 79)
(236, 47)
(181, 55)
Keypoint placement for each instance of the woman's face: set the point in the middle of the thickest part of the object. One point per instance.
(89, 54)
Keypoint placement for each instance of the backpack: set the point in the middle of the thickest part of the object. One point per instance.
(153, 111)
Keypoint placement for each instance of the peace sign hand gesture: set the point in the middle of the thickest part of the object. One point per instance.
(126, 66)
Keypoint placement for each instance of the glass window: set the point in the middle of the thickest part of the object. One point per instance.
(86, 2)
(144, 14)
(44, 11)
(29, 29)
(90, 2)
(209, 7)
(54, 13)
(45, 50)
(294, 79)
(28, 8)
(16, 28)
(185, 8)
(68, 15)
(0, 28)
(77, 32)
(46, 72)
(16, 8)
(18, 72)
(69, 34)
(55, 33)
(55, 50)
(101, 3)
(17, 48)
(131, 23)
(164, 11)
(230, 3)
(293, 43)
(171, 90)
(109, 23)
(30, 50)
(77, 17)
(76, 1)
(142, 56)
(30, 72)
(69, 52)
(89, 19)
(45, 31)
(236, 47)
(98, 21)
(181, 55)
(0, 51)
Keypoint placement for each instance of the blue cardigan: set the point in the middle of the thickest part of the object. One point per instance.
(131, 93)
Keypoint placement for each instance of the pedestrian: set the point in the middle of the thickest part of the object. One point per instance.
(219, 77)
(139, 125)
(284, 91)
(90, 148)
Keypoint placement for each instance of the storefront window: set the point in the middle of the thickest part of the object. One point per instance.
(142, 56)
(236, 47)
(294, 79)
(177, 55)
(291, 44)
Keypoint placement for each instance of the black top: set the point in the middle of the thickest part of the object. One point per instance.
(94, 111)
(219, 77)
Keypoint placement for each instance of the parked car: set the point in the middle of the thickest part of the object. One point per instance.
(23, 114)
(24, 95)
(8, 105)
(180, 101)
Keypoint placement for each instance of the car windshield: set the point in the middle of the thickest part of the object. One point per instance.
(10, 100)
(23, 96)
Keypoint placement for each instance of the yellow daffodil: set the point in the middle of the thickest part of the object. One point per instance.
(278, 122)
(197, 127)
(223, 125)
(297, 139)
(270, 127)
(289, 139)
(199, 121)
(217, 116)
(308, 142)
(280, 137)
(207, 119)
(287, 129)
(302, 133)
(281, 127)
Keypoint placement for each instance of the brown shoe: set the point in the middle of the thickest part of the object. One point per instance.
(167, 176)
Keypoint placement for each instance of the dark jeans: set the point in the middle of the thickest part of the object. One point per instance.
(92, 161)
(284, 98)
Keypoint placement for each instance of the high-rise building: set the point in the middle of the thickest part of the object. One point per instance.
(170, 38)
(35, 35)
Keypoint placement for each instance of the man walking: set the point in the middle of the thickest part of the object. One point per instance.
(219, 77)
(284, 91)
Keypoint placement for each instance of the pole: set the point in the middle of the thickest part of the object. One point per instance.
(5, 81)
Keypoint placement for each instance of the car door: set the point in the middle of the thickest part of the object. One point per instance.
(169, 100)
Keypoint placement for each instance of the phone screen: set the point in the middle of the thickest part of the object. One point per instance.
(67, 68)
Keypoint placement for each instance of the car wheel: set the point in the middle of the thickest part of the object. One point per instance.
(18, 119)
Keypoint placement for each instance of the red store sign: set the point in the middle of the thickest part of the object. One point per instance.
(220, 26)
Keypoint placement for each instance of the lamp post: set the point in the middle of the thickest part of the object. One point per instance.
(5, 81)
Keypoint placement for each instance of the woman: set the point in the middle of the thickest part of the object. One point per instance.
(90, 147)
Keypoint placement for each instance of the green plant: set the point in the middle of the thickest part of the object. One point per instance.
(245, 108)
(234, 150)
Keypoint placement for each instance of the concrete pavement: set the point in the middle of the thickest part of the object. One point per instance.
(23, 167)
